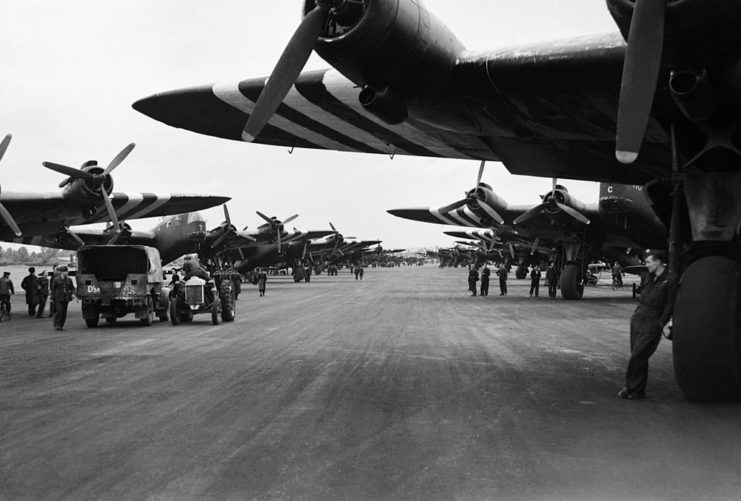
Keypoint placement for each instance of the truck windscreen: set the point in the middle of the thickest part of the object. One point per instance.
(112, 263)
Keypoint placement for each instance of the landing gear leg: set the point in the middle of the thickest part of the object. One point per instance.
(707, 317)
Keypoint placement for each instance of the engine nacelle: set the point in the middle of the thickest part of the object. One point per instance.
(484, 193)
(85, 192)
(396, 47)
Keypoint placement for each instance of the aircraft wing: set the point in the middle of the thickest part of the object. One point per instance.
(65, 241)
(44, 213)
(546, 109)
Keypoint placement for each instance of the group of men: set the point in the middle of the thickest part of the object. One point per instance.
(551, 277)
(38, 289)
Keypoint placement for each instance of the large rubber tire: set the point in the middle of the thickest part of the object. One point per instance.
(572, 283)
(174, 315)
(228, 305)
(216, 311)
(164, 310)
(92, 322)
(707, 331)
(521, 273)
(149, 319)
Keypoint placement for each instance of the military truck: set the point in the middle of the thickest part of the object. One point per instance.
(117, 280)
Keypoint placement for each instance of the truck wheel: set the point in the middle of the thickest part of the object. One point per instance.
(174, 316)
(163, 309)
(111, 320)
(228, 306)
(147, 321)
(92, 321)
(216, 311)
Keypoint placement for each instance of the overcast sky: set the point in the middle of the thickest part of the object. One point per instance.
(69, 72)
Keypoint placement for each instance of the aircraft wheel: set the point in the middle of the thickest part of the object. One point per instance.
(572, 285)
(521, 273)
(707, 331)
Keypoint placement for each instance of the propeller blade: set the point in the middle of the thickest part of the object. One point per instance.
(640, 77)
(536, 243)
(306, 247)
(491, 213)
(481, 173)
(266, 218)
(555, 185)
(512, 250)
(286, 221)
(111, 211)
(280, 242)
(453, 206)
(220, 240)
(535, 211)
(69, 171)
(288, 69)
(75, 236)
(333, 228)
(119, 158)
(573, 213)
(4, 145)
(226, 216)
(8, 218)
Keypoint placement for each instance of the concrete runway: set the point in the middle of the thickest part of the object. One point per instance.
(398, 387)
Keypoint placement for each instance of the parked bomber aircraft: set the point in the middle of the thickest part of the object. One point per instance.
(618, 227)
(86, 197)
(659, 102)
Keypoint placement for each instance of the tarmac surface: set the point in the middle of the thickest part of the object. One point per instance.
(397, 387)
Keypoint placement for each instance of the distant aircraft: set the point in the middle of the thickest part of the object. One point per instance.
(621, 223)
(86, 197)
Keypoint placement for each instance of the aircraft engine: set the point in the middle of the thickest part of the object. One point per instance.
(395, 49)
(484, 195)
(87, 192)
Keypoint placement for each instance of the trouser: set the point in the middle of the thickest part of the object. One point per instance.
(5, 300)
(535, 287)
(485, 287)
(60, 313)
(503, 287)
(645, 335)
(41, 307)
(472, 286)
(32, 309)
(552, 288)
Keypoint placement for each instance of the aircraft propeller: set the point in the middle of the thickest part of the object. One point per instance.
(292, 62)
(4, 213)
(339, 239)
(472, 197)
(277, 226)
(552, 204)
(97, 181)
(640, 77)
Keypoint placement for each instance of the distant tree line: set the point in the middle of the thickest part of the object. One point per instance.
(42, 257)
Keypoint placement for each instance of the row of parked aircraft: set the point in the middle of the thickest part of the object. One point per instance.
(559, 229)
(86, 196)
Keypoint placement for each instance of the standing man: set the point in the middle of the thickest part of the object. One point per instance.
(262, 280)
(535, 275)
(473, 277)
(62, 292)
(617, 274)
(42, 288)
(649, 320)
(503, 274)
(485, 277)
(6, 290)
(551, 279)
(30, 285)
